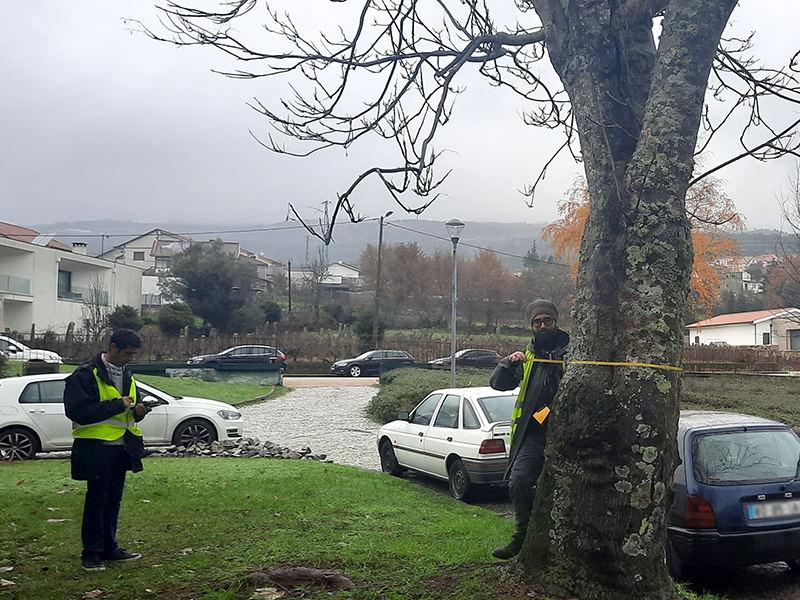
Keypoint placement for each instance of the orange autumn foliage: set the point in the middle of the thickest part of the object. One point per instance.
(712, 215)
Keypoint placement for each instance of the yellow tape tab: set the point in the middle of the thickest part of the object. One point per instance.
(542, 414)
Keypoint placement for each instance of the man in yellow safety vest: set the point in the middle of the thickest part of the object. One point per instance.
(537, 372)
(100, 399)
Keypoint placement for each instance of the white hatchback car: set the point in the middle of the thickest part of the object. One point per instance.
(32, 417)
(15, 350)
(460, 435)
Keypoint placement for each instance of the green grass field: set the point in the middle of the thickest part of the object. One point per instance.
(202, 524)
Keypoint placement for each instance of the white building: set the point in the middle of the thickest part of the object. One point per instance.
(47, 286)
(151, 252)
(773, 327)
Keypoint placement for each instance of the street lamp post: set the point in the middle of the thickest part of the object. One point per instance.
(454, 228)
(376, 316)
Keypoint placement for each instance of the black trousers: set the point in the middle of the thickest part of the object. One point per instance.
(103, 500)
(522, 480)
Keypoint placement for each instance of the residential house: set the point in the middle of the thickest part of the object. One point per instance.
(773, 327)
(739, 282)
(152, 252)
(343, 277)
(45, 285)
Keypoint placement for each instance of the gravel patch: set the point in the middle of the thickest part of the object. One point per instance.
(329, 420)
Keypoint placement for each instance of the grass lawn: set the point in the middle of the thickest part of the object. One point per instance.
(771, 397)
(232, 393)
(202, 524)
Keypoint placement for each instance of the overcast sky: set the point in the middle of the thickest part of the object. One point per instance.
(103, 123)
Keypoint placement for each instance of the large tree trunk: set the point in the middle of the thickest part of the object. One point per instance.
(598, 527)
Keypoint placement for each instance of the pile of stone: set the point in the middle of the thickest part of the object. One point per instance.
(243, 448)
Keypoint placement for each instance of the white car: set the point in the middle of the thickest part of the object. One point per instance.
(460, 435)
(32, 417)
(15, 350)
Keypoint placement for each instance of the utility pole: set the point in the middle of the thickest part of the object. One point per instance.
(376, 316)
(290, 287)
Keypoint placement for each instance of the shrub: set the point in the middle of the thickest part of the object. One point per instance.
(403, 388)
(174, 317)
(272, 311)
(125, 317)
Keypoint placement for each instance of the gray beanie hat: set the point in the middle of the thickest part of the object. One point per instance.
(541, 307)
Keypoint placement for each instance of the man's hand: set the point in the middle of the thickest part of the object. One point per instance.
(517, 357)
(128, 400)
(141, 410)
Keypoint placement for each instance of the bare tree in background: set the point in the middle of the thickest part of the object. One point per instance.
(95, 308)
(630, 108)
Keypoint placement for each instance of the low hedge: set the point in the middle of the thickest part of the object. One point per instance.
(403, 388)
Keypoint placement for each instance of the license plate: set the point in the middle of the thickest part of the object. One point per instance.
(770, 510)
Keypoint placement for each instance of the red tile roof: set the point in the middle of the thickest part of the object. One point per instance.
(743, 317)
(23, 234)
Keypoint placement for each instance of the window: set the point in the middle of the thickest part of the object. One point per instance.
(470, 418)
(424, 412)
(448, 413)
(52, 391)
(64, 284)
(737, 457)
(138, 255)
(497, 408)
(163, 262)
(766, 338)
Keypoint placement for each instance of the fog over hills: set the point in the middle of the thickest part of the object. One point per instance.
(289, 240)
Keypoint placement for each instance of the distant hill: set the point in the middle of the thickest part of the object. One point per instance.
(766, 241)
(290, 241)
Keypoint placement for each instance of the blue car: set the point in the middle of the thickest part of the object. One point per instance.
(736, 494)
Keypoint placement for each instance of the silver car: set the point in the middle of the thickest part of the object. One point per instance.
(32, 417)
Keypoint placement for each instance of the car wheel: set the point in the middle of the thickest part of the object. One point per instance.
(461, 487)
(389, 462)
(678, 569)
(17, 443)
(355, 371)
(194, 431)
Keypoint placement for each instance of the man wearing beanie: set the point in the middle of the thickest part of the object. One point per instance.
(538, 383)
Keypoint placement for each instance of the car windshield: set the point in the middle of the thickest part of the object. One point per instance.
(365, 355)
(497, 408)
(737, 457)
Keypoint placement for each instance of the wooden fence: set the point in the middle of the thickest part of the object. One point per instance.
(330, 346)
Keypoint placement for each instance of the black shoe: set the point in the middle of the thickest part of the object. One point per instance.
(121, 554)
(93, 563)
(508, 551)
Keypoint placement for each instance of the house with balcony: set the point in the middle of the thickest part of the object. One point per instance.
(45, 285)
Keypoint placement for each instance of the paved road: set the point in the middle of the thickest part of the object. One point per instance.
(330, 420)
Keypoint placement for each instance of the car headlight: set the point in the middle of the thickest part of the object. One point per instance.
(229, 415)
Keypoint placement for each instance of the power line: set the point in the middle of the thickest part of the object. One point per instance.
(444, 239)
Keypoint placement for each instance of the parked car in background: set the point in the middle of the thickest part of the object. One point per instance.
(471, 357)
(14, 350)
(32, 417)
(460, 435)
(736, 493)
(370, 362)
(243, 356)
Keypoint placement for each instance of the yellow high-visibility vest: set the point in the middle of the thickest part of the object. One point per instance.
(114, 427)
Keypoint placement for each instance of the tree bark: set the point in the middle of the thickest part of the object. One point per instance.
(598, 526)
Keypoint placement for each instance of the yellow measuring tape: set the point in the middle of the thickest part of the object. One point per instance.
(604, 363)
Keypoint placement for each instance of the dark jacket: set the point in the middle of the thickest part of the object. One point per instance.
(540, 391)
(82, 404)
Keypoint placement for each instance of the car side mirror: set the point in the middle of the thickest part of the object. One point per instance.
(402, 416)
(152, 401)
